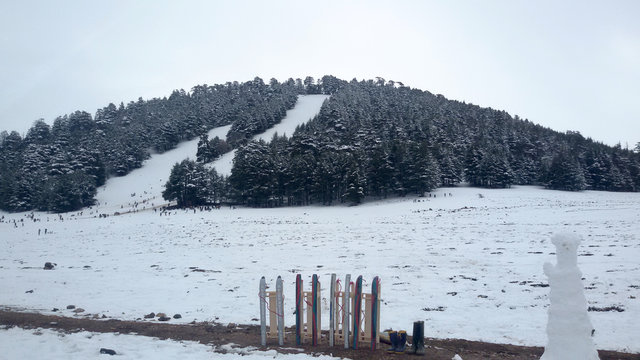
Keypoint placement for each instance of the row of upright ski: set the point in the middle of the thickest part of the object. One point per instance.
(354, 316)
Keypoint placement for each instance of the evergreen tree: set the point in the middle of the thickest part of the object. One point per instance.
(203, 154)
(473, 166)
(597, 171)
(191, 184)
(425, 175)
(68, 192)
(380, 172)
(39, 133)
(252, 174)
(566, 173)
(354, 193)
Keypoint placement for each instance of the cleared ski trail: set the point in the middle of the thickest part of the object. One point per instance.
(142, 188)
(306, 108)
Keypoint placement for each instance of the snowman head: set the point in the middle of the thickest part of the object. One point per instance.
(566, 248)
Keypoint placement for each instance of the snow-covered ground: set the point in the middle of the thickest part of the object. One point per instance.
(20, 344)
(307, 107)
(469, 264)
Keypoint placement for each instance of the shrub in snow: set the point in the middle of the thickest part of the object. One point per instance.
(568, 328)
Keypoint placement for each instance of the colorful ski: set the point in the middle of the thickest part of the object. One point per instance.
(280, 310)
(375, 294)
(315, 305)
(357, 309)
(332, 309)
(346, 311)
(299, 310)
(263, 311)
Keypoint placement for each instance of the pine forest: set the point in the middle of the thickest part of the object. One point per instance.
(372, 139)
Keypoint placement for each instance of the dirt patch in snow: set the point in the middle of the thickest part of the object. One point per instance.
(249, 335)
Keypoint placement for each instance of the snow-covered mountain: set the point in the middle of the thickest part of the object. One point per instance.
(467, 261)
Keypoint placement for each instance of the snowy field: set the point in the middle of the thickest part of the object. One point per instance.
(469, 263)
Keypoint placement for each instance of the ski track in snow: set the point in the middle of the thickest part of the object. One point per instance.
(469, 265)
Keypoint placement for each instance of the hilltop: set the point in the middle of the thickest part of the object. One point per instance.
(371, 139)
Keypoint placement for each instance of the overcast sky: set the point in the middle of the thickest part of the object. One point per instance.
(568, 65)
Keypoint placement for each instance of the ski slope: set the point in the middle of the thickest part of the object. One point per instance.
(307, 107)
(142, 188)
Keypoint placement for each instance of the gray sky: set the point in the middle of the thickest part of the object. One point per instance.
(568, 65)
